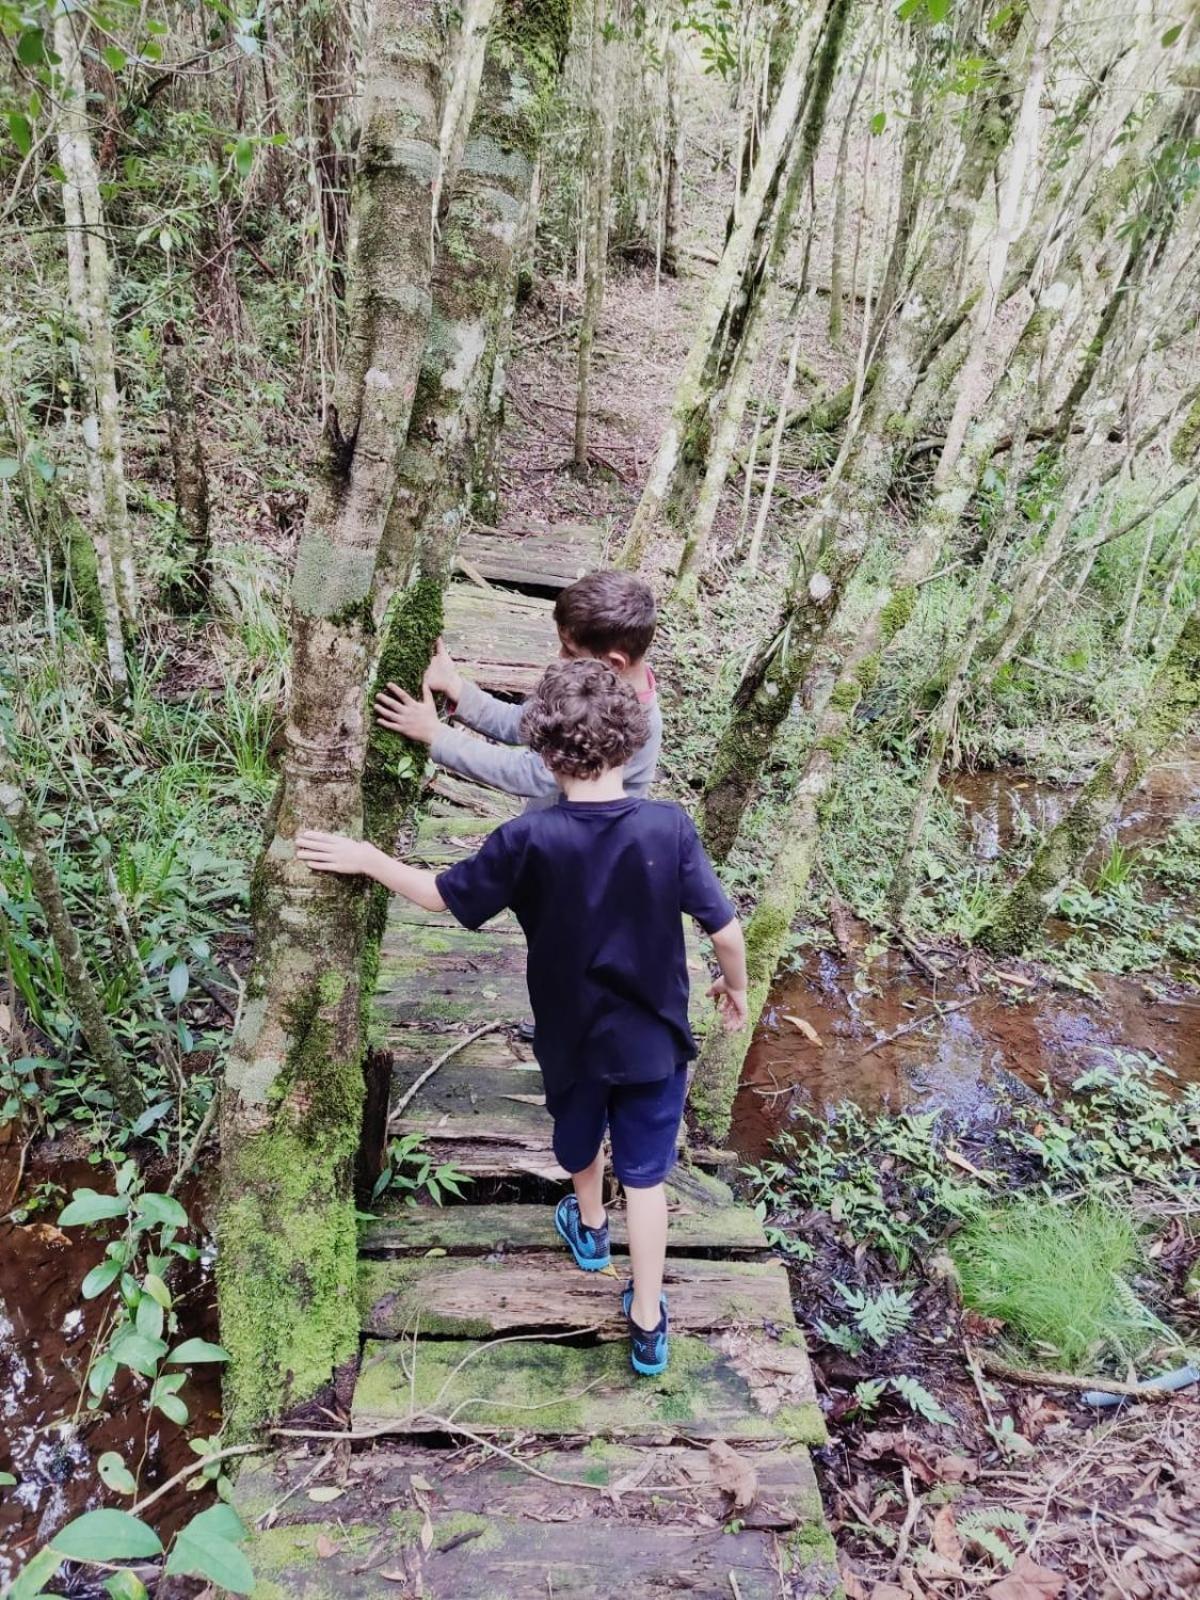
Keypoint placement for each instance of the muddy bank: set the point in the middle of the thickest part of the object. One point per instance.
(826, 1034)
(48, 1440)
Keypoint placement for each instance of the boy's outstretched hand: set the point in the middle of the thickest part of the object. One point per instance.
(333, 852)
(731, 1003)
(400, 711)
(442, 676)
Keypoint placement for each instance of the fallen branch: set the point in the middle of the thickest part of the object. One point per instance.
(194, 1467)
(1067, 1380)
(919, 1022)
(460, 1044)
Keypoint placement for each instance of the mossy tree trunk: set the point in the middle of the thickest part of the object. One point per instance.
(1171, 702)
(837, 536)
(597, 191)
(456, 408)
(841, 196)
(292, 1102)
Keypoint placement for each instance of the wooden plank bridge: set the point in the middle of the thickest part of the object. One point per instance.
(512, 1453)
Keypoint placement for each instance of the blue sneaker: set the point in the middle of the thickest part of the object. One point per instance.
(589, 1246)
(648, 1352)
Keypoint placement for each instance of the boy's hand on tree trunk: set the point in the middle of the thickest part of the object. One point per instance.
(416, 719)
(442, 676)
(333, 852)
(731, 1003)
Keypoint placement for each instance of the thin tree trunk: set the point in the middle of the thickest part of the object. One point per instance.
(741, 359)
(768, 490)
(461, 96)
(692, 392)
(190, 471)
(841, 184)
(88, 279)
(1187, 539)
(672, 197)
(944, 717)
(1173, 698)
(1135, 599)
(599, 181)
(85, 1000)
(294, 1086)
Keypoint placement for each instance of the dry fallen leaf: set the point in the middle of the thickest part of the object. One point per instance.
(426, 1533)
(324, 1492)
(945, 1535)
(733, 1473)
(325, 1546)
(889, 1591)
(1027, 1581)
(393, 1576)
(957, 1469)
(806, 1028)
(852, 1584)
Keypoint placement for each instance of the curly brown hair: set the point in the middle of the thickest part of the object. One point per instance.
(583, 719)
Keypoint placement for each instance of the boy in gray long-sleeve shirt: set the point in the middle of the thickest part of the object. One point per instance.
(609, 616)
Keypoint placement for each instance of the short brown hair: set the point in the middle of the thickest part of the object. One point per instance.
(608, 611)
(583, 719)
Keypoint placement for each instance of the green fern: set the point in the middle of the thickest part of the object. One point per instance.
(917, 1398)
(879, 1317)
(868, 1394)
(984, 1527)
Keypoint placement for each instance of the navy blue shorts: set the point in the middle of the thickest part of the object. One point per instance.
(642, 1119)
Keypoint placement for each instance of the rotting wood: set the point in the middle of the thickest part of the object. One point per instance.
(469, 1297)
(478, 1229)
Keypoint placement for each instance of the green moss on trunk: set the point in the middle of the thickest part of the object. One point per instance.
(395, 764)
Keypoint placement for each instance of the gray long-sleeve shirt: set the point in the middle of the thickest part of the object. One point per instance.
(516, 769)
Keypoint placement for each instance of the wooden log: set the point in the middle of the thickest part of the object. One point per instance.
(539, 555)
(473, 1296)
(504, 641)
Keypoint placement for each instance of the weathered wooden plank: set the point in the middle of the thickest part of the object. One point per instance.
(503, 640)
(471, 1296)
(539, 555)
(470, 1230)
(556, 1389)
(482, 1556)
(449, 793)
(641, 1481)
(440, 976)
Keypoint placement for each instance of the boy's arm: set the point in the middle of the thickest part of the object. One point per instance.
(333, 852)
(729, 991)
(498, 719)
(514, 770)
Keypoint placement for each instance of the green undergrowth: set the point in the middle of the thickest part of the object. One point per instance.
(873, 1213)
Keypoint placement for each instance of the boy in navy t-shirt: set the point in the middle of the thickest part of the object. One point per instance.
(599, 883)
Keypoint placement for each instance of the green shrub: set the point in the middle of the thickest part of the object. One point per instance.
(1054, 1275)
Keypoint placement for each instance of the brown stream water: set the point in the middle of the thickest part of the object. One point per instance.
(47, 1440)
(850, 1002)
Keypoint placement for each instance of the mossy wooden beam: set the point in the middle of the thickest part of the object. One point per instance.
(559, 1390)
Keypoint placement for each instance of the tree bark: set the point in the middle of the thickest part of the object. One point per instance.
(88, 1007)
(1172, 701)
(88, 279)
(601, 113)
(841, 185)
(294, 1087)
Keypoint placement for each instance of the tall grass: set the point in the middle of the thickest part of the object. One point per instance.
(1055, 1275)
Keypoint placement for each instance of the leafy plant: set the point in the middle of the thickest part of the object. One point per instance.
(917, 1398)
(410, 1170)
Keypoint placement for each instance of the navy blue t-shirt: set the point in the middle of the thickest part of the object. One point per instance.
(600, 888)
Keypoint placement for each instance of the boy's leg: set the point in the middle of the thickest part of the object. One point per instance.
(580, 1116)
(644, 1121)
(589, 1191)
(646, 1218)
